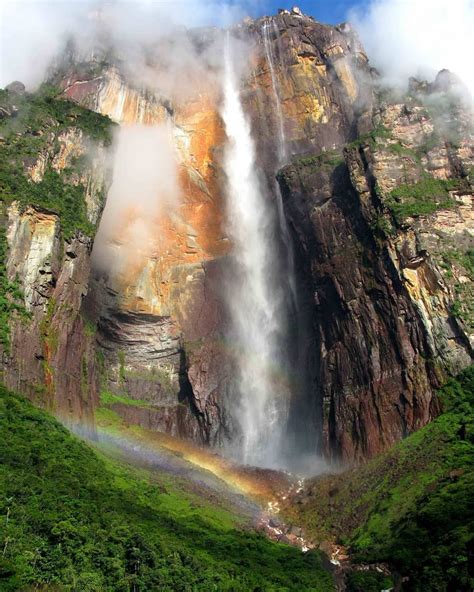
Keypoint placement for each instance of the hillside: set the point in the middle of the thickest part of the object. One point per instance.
(413, 506)
(75, 520)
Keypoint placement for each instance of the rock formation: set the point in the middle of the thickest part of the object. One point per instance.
(50, 351)
(377, 202)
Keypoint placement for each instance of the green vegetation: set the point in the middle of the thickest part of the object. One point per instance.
(90, 328)
(107, 398)
(456, 263)
(422, 198)
(371, 138)
(46, 110)
(367, 581)
(400, 150)
(412, 506)
(164, 375)
(415, 154)
(456, 309)
(121, 359)
(109, 419)
(49, 334)
(328, 159)
(53, 193)
(464, 259)
(431, 141)
(74, 520)
(32, 130)
(381, 226)
(11, 297)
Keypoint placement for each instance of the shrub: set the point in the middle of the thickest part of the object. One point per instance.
(367, 581)
(422, 198)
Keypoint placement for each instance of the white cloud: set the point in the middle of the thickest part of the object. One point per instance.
(418, 38)
(145, 186)
(33, 32)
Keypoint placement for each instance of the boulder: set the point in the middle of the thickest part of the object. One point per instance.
(16, 87)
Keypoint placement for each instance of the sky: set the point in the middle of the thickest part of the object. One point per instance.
(326, 11)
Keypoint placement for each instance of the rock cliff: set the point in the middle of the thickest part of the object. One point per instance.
(385, 234)
(54, 181)
(160, 317)
(373, 207)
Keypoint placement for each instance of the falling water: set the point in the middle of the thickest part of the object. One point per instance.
(269, 55)
(303, 427)
(254, 300)
(281, 155)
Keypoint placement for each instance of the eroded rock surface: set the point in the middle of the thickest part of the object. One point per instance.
(51, 353)
(386, 323)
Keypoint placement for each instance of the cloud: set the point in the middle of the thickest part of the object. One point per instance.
(145, 185)
(34, 32)
(406, 38)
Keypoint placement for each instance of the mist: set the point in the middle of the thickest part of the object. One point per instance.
(418, 38)
(145, 186)
(33, 33)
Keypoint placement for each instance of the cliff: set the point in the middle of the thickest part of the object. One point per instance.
(159, 315)
(373, 212)
(384, 234)
(53, 187)
(162, 322)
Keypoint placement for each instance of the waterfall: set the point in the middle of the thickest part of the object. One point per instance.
(261, 404)
(303, 426)
(281, 156)
(269, 55)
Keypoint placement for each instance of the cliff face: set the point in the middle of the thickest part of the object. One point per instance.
(161, 320)
(320, 77)
(384, 234)
(48, 194)
(374, 329)
(51, 355)
(160, 316)
(373, 206)
(315, 82)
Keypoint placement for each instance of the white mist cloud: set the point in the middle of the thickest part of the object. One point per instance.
(33, 32)
(145, 185)
(418, 38)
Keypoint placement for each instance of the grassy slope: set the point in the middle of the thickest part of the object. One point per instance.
(412, 506)
(78, 521)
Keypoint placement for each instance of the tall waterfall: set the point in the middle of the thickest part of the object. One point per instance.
(281, 154)
(303, 426)
(256, 308)
(270, 57)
